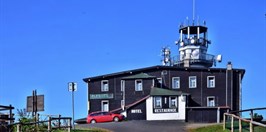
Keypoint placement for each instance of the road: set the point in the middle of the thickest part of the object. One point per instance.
(140, 126)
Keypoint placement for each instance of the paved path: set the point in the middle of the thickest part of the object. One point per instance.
(140, 126)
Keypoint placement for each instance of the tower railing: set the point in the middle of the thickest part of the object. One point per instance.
(202, 58)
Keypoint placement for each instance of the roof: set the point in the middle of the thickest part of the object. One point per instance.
(165, 92)
(156, 67)
(139, 76)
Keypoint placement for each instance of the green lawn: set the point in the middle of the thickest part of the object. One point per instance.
(219, 128)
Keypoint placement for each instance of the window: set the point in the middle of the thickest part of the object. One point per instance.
(172, 102)
(122, 85)
(138, 85)
(192, 82)
(210, 81)
(105, 85)
(157, 102)
(211, 101)
(105, 105)
(160, 82)
(175, 82)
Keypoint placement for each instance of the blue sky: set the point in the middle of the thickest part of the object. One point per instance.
(44, 44)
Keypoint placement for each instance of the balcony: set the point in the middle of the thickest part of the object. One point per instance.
(202, 59)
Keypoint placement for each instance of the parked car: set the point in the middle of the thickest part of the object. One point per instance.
(97, 117)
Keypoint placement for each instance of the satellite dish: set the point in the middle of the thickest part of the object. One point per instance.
(195, 54)
(181, 44)
(219, 58)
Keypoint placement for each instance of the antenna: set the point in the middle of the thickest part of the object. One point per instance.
(193, 11)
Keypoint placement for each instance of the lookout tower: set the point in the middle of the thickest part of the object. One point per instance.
(193, 46)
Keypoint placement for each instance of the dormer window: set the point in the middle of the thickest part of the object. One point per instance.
(138, 85)
(104, 86)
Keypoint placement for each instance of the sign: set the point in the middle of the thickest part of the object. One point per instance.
(170, 110)
(102, 96)
(39, 101)
(136, 111)
(72, 86)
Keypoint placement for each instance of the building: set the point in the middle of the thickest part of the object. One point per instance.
(185, 87)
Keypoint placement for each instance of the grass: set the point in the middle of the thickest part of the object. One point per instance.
(212, 128)
(219, 128)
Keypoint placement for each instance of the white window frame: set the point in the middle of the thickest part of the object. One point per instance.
(192, 83)
(170, 101)
(123, 85)
(209, 80)
(104, 87)
(102, 107)
(209, 104)
(155, 103)
(137, 87)
(173, 83)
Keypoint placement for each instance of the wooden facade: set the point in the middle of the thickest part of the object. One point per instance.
(201, 99)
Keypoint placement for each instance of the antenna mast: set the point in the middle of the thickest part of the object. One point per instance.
(193, 6)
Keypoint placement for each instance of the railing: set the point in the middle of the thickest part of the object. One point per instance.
(6, 119)
(205, 58)
(52, 123)
(249, 123)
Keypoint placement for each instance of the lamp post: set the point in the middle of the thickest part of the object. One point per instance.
(72, 87)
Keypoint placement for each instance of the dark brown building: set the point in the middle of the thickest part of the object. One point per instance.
(185, 87)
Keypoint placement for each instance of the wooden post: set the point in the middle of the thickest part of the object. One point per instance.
(69, 125)
(232, 123)
(224, 122)
(59, 121)
(251, 120)
(18, 128)
(49, 124)
(240, 125)
(37, 121)
(250, 127)
(10, 114)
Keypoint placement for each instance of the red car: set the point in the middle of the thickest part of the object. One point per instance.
(97, 117)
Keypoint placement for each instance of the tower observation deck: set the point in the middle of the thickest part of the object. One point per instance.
(193, 45)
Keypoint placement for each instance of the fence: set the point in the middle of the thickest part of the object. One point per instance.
(241, 123)
(52, 123)
(6, 119)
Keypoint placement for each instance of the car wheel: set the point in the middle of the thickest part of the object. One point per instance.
(93, 121)
(116, 119)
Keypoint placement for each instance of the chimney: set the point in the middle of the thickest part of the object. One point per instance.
(229, 65)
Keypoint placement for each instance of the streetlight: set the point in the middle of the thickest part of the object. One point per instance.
(72, 87)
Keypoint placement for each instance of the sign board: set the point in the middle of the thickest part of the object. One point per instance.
(72, 86)
(39, 103)
(102, 96)
(170, 110)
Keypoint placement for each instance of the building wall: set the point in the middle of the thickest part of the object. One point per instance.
(226, 90)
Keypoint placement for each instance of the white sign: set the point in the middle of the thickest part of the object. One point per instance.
(136, 111)
(72, 86)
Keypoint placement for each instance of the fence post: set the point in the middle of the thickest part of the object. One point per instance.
(49, 124)
(224, 122)
(69, 125)
(232, 123)
(59, 121)
(18, 128)
(251, 120)
(240, 125)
